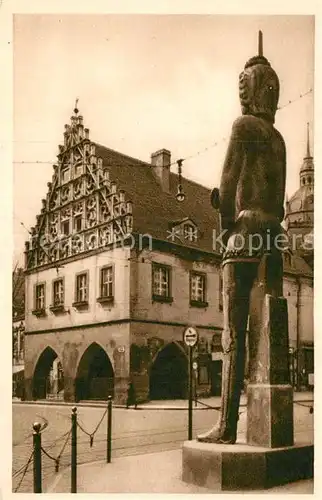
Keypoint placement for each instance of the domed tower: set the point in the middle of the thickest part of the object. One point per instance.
(299, 214)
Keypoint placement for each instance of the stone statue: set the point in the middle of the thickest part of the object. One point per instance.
(251, 198)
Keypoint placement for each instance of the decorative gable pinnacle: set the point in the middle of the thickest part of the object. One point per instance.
(83, 209)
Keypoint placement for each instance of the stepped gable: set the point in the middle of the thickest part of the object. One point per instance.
(98, 197)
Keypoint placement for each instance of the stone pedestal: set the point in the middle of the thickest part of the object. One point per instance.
(269, 393)
(270, 415)
(243, 467)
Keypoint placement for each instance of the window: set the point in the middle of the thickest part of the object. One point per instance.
(161, 282)
(78, 223)
(190, 232)
(81, 288)
(65, 227)
(65, 175)
(40, 297)
(106, 282)
(58, 292)
(78, 170)
(197, 288)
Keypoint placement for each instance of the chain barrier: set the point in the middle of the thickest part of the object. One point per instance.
(143, 440)
(24, 471)
(57, 459)
(92, 434)
(310, 407)
(206, 405)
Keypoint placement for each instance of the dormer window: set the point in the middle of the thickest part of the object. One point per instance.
(190, 232)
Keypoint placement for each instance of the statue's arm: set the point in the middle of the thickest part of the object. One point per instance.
(230, 175)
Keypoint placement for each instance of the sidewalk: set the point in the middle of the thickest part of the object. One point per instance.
(177, 404)
(160, 472)
(148, 473)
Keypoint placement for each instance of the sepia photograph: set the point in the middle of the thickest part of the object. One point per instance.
(163, 253)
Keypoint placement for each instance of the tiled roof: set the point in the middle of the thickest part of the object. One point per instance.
(154, 210)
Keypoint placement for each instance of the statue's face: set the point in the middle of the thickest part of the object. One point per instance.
(259, 91)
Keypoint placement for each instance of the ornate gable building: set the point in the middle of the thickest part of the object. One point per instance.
(115, 270)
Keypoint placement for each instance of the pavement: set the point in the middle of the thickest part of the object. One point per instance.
(148, 473)
(157, 472)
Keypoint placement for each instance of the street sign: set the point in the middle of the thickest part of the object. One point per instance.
(190, 336)
(121, 349)
(195, 365)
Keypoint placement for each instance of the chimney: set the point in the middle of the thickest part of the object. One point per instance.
(160, 161)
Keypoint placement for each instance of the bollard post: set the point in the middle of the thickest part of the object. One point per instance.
(74, 452)
(37, 457)
(190, 395)
(109, 430)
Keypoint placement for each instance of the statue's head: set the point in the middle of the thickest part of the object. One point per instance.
(259, 89)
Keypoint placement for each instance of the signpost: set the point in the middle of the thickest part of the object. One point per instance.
(195, 369)
(190, 338)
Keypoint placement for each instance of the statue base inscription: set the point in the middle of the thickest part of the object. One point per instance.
(243, 467)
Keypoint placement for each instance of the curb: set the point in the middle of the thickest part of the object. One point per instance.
(140, 407)
(104, 405)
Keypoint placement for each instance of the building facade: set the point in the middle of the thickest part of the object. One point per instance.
(299, 221)
(116, 269)
(18, 331)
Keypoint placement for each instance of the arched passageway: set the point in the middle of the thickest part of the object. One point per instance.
(95, 375)
(48, 380)
(169, 374)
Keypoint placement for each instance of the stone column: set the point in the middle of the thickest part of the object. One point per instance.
(28, 389)
(269, 392)
(121, 375)
(69, 389)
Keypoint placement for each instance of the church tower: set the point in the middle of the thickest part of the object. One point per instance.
(299, 214)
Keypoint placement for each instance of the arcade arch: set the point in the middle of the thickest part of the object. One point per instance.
(48, 379)
(169, 373)
(95, 375)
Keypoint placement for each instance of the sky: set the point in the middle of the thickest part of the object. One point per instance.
(146, 82)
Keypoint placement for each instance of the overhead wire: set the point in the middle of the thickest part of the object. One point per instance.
(212, 145)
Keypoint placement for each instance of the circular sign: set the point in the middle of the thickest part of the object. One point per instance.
(195, 365)
(190, 336)
(121, 349)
